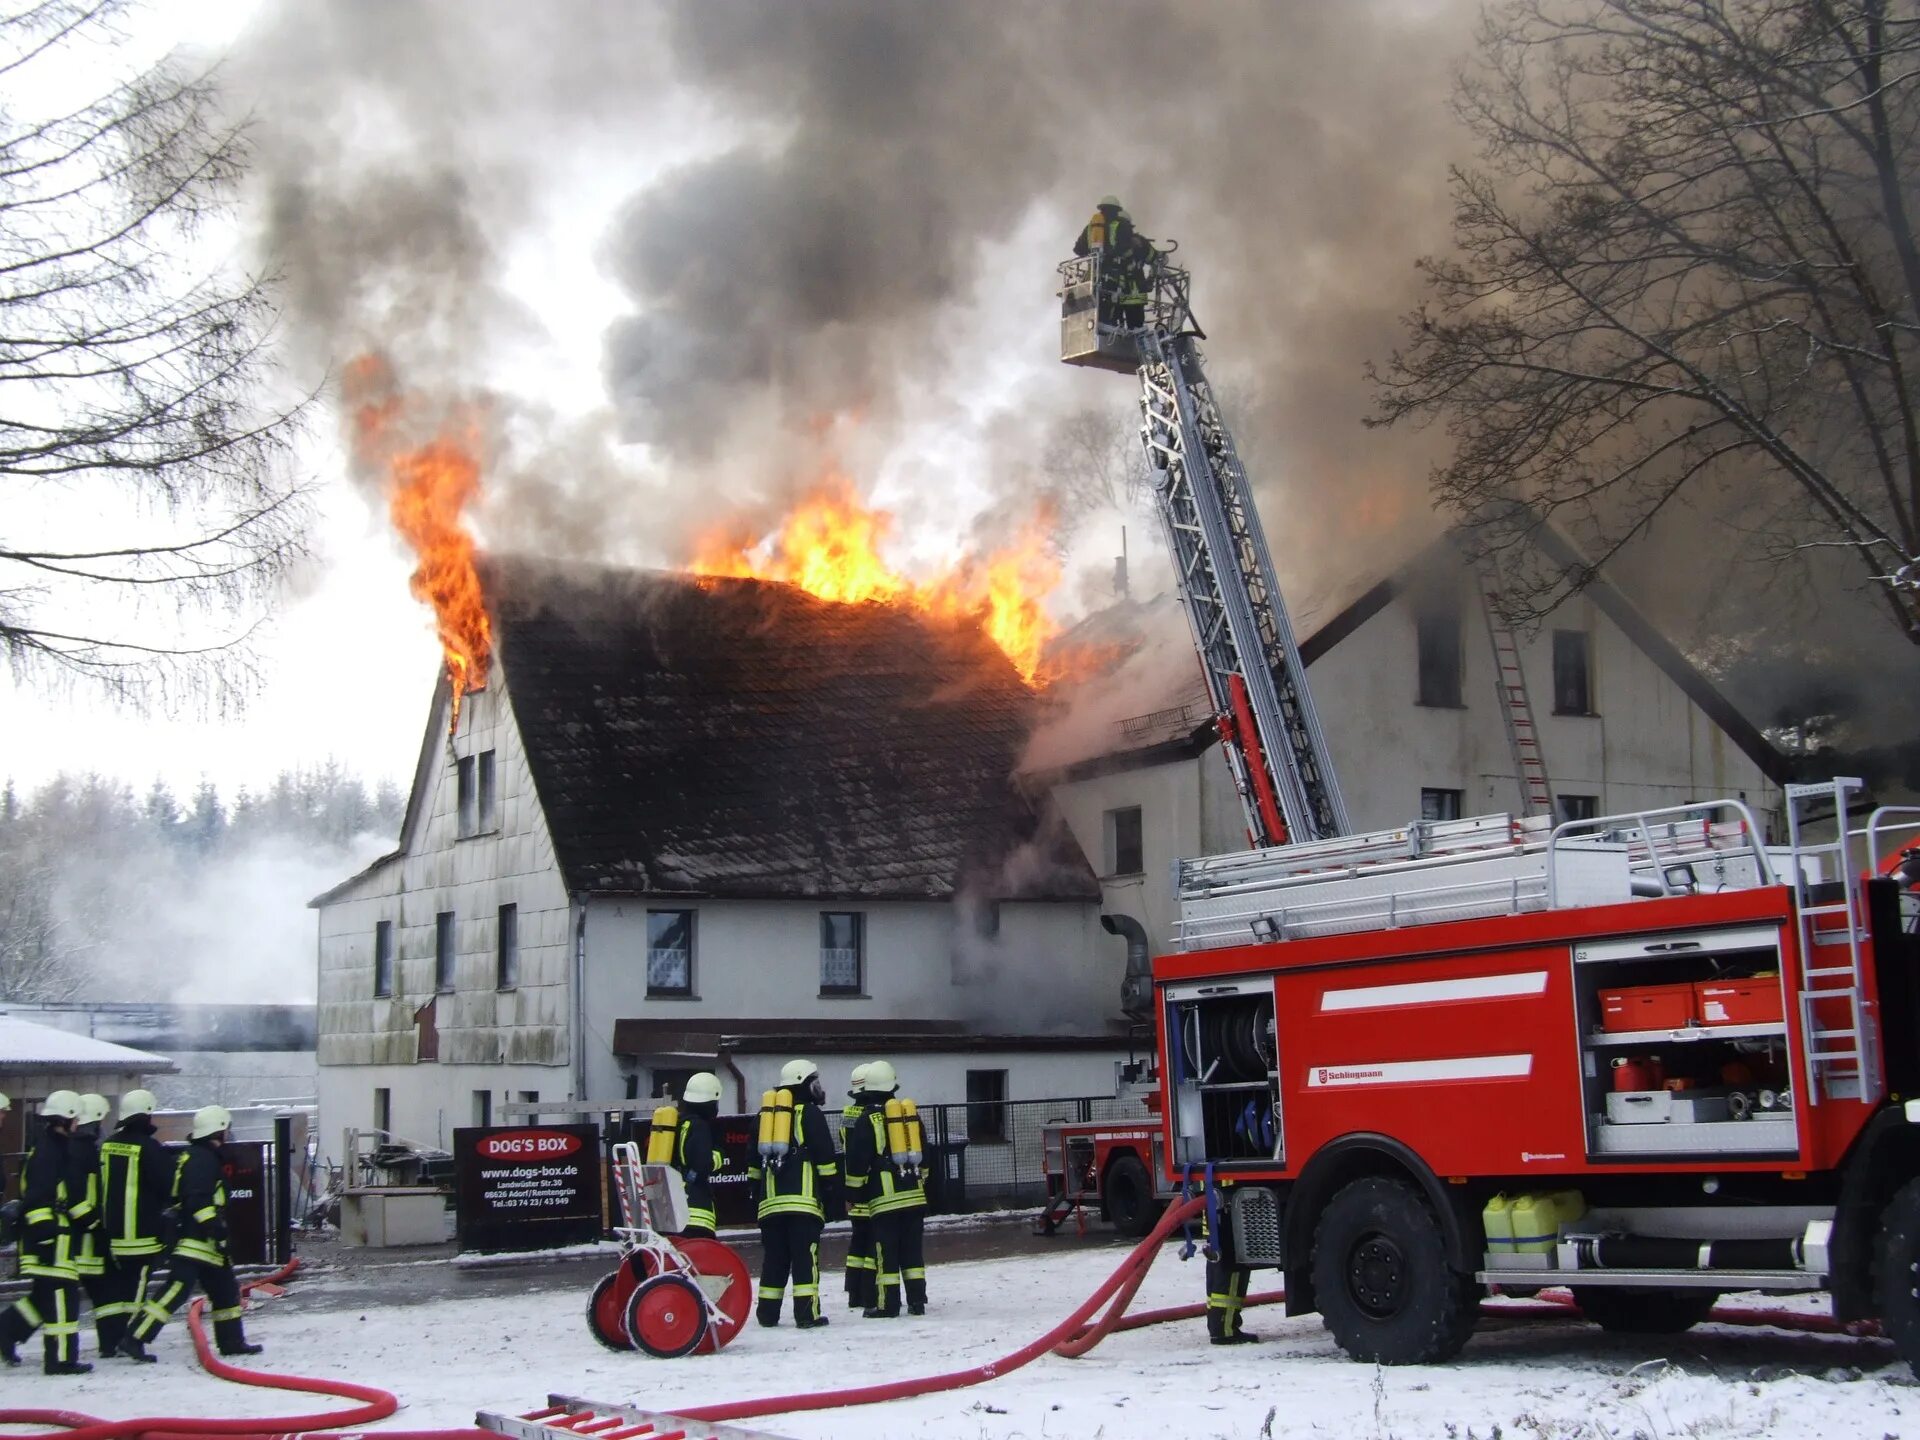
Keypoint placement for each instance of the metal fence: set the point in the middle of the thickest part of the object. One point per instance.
(992, 1150)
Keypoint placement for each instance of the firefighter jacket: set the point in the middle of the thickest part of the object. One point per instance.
(697, 1159)
(794, 1184)
(47, 1228)
(849, 1119)
(83, 1209)
(136, 1184)
(873, 1178)
(1109, 229)
(200, 1190)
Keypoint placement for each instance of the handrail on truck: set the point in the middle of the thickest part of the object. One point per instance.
(1641, 821)
(1876, 828)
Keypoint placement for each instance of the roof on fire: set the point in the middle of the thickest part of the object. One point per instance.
(723, 737)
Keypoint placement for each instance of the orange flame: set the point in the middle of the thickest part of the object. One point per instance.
(429, 486)
(829, 546)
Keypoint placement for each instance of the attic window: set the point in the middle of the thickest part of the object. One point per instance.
(1126, 851)
(483, 784)
(1437, 638)
(382, 957)
(1572, 673)
(468, 796)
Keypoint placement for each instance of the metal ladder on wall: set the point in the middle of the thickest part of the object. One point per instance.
(1843, 1060)
(1536, 795)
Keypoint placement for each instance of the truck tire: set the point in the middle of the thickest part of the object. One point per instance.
(1896, 1273)
(1381, 1278)
(1126, 1191)
(1623, 1311)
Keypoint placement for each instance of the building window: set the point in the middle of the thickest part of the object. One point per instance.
(1572, 673)
(1437, 635)
(670, 1084)
(443, 950)
(986, 1105)
(986, 919)
(382, 958)
(1440, 804)
(1125, 852)
(483, 1107)
(383, 1111)
(670, 952)
(506, 963)
(842, 941)
(489, 818)
(467, 796)
(1576, 807)
(530, 1097)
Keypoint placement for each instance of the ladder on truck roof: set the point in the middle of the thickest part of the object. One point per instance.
(1843, 1061)
(1510, 685)
(1255, 677)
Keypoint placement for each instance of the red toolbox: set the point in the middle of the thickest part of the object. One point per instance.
(1739, 1002)
(1648, 1007)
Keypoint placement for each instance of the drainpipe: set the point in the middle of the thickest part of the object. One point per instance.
(739, 1077)
(579, 1026)
(1136, 988)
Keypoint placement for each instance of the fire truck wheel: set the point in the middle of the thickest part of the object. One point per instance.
(1381, 1278)
(1127, 1192)
(1896, 1272)
(1644, 1312)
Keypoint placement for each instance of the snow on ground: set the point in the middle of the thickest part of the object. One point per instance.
(1551, 1378)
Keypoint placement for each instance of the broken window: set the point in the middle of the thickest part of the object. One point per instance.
(466, 795)
(1125, 846)
(383, 958)
(506, 963)
(443, 951)
(842, 942)
(1440, 804)
(483, 786)
(670, 952)
(1572, 673)
(986, 1105)
(1437, 635)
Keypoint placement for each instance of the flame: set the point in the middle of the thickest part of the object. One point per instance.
(830, 546)
(429, 485)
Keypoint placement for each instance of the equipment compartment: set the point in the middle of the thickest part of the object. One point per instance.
(1226, 1075)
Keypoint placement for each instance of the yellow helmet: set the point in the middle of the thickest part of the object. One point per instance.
(798, 1072)
(210, 1120)
(880, 1077)
(61, 1105)
(137, 1102)
(93, 1108)
(701, 1086)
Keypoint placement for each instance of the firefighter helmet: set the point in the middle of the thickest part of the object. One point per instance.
(702, 1086)
(137, 1102)
(93, 1108)
(857, 1081)
(61, 1105)
(1113, 200)
(880, 1077)
(210, 1120)
(797, 1072)
(5, 1103)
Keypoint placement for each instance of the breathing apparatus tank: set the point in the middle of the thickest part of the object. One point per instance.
(904, 1141)
(661, 1134)
(776, 1123)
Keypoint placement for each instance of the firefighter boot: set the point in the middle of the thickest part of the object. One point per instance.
(806, 1313)
(768, 1313)
(134, 1350)
(58, 1361)
(231, 1337)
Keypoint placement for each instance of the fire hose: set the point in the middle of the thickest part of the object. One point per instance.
(1071, 1338)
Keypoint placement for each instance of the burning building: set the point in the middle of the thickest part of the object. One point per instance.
(709, 822)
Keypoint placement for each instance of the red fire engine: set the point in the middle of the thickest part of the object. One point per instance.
(1651, 1056)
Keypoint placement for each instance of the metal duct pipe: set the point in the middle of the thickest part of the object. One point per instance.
(1136, 987)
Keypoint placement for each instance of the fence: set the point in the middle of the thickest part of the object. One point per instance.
(995, 1147)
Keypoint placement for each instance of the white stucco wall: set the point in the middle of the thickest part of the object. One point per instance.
(939, 1077)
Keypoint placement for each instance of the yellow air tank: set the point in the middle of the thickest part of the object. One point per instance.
(661, 1133)
(769, 1099)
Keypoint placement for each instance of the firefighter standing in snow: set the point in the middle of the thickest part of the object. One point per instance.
(46, 1251)
(136, 1185)
(694, 1153)
(90, 1257)
(1226, 1287)
(793, 1173)
(883, 1174)
(200, 1254)
(860, 1284)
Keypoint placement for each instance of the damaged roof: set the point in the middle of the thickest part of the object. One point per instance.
(741, 738)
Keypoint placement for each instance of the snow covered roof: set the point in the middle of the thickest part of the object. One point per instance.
(27, 1046)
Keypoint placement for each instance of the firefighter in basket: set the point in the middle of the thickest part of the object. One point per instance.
(860, 1285)
(682, 1136)
(200, 1255)
(884, 1154)
(90, 1257)
(796, 1169)
(52, 1300)
(136, 1186)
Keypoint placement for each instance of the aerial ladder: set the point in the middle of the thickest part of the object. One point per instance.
(1256, 680)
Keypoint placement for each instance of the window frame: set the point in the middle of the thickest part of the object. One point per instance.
(858, 989)
(1561, 807)
(1454, 799)
(660, 992)
(1563, 670)
(465, 797)
(506, 948)
(446, 949)
(993, 1110)
(486, 801)
(1430, 612)
(383, 958)
(1111, 827)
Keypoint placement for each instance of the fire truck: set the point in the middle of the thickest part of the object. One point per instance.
(1653, 1057)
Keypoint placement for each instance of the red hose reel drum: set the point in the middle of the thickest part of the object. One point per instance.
(662, 1320)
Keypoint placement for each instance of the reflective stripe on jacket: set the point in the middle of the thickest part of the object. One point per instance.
(872, 1176)
(136, 1183)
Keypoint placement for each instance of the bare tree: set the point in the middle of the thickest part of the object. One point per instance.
(1687, 267)
(135, 463)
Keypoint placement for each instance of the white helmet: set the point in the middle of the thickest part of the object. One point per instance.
(61, 1105)
(5, 1103)
(702, 1086)
(210, 1120)
(137, 1102)
(880, 1077)
(93, 1108)
(798, 1072)
(857, 1081)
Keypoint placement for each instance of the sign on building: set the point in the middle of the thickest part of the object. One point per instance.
(526, 1187)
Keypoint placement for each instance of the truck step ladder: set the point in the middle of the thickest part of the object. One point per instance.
(1510, 684)
(1836, 1022)
(570, 1415)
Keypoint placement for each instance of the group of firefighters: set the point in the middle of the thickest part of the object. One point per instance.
(803, 1176)
(127, 1222)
